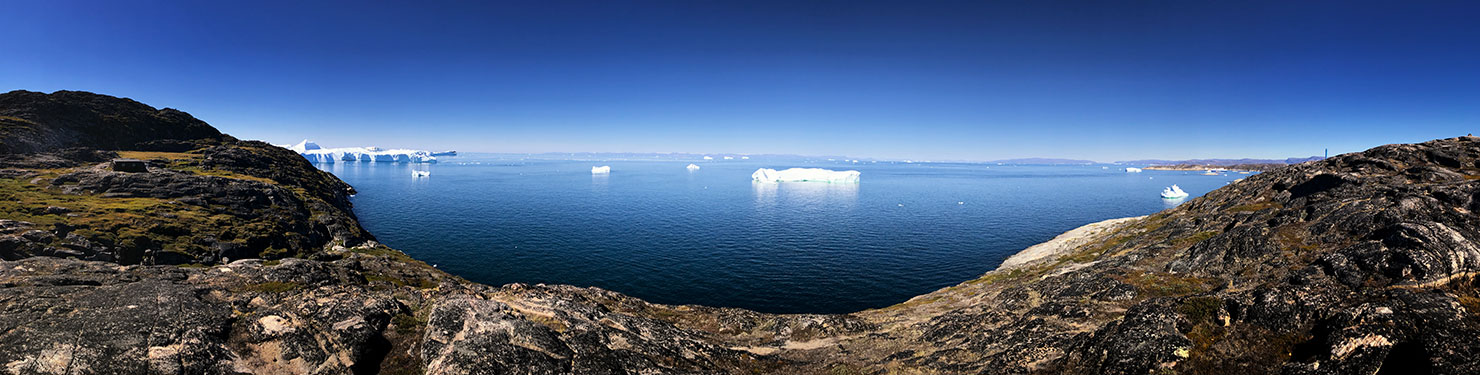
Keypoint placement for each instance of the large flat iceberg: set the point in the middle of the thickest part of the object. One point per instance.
(805, 174)
(316, 154)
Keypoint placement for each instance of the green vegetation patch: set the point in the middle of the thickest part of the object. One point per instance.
(1201, 309)
(1255, 207)
(998, 276)
(156, 155)
(407, 324)
(1162, 284)
(1188, 241)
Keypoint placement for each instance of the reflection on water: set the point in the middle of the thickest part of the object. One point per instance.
(599, 181)
(1173, 202)
(804, 194)
(765, 193)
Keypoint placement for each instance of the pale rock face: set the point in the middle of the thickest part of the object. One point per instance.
(805, 175)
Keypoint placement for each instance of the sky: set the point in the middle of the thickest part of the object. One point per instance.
(974, 80)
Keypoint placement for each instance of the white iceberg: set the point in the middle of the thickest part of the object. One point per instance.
(692, 167)
(708, 157)
(1132, 170)
(729, 158)
(805, 174)
(744, 158)
(1173, 192)
(311, 151)
(415, 174)
(605, 169)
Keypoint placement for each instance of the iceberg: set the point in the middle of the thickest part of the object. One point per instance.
(692, 167)
(415, 174)
(1132, 170)
(729, 158)
(605, 169)
(1173, 192)
(744, 158)
(706, 157)
(315, 154)
(445, 153)
(804, 174)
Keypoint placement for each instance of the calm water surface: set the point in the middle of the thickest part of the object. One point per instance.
(654, 230)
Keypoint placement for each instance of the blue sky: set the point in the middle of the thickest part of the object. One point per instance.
(922, 80)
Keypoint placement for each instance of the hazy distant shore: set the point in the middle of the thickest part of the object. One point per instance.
(1204, 167)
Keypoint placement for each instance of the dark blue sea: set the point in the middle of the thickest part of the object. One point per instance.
(654, 230)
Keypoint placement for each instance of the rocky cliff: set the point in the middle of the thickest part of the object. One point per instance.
(232, 257)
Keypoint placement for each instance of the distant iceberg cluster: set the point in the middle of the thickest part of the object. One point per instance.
(316, 154)
(805, 174)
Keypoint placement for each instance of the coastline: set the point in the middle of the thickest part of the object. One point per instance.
(1064, 243)
(1200, 167)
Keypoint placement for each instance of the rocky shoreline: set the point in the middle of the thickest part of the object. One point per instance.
(236, 257)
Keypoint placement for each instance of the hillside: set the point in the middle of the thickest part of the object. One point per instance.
(233, 256)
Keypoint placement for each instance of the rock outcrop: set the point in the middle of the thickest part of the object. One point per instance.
(231, 257)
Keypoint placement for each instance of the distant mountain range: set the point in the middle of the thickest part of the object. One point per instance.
(1042, 161)
(1217, 162)
(1209, 162)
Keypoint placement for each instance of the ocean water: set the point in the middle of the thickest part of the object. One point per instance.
(657, 231)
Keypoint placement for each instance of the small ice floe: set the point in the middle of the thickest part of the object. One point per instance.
(901, 204)
(1132, 170)
(419, 174)
(692, 167)
(706, 157)
(1173, 192)
(729, 158)
(605, 169)
(960, 203)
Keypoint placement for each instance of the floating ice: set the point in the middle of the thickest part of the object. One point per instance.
(415, 174)
(706, 157)
(744, 158)
(1133, 170)
(805, 174)
(729, 158)
(311, 151)
(692, 167)
(1173, 192)
(605, 169)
